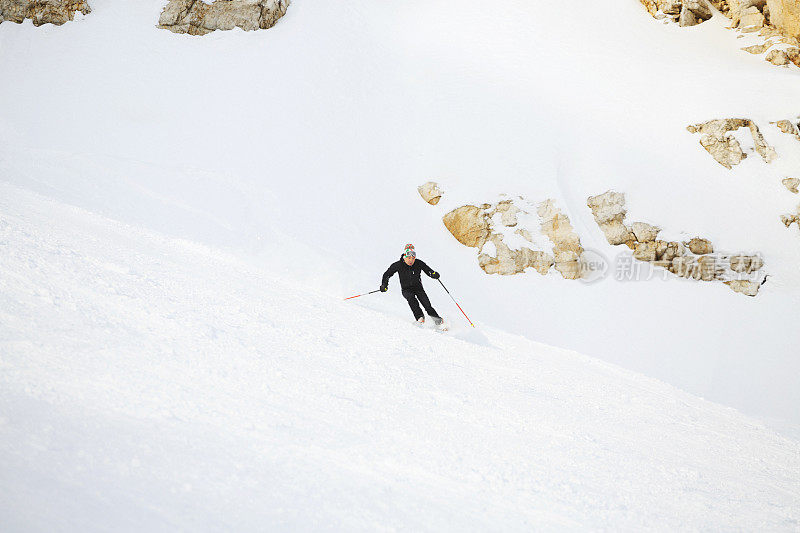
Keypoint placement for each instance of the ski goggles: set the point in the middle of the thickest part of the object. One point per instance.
(410, 253)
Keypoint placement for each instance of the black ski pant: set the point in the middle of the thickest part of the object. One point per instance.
(412, 294)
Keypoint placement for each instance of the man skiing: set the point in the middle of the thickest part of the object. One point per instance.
(409, 268)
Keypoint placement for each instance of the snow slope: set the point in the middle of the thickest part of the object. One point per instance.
(299, 149)
(154, 383)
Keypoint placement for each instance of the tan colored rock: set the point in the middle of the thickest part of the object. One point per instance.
(709, 268)
(644, 232)
(567, 246)
(700, 246)
(645, 251)
(609, 213)
(568, 264)
(740, 263)
(788, 127)
(747, 287)
(723, 147)
(507, 262)
(525, 234)
(673, 250)
(763, 149)
(746, 264)
(785, 15)
(557, 227)
(778, 58)
(508, 213)
(758, 48)
(683, 266)
(751, 20)
(790, 219)
(196, 17)
(430, 192)
(42, 11)
(791, 184)
(468, 225)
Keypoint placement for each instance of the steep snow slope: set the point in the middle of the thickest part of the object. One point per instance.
(300, 148)
(149, 382)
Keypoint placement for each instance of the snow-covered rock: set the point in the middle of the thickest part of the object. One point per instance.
(609, 213)
(566, 243)
(791, 184)
(785, 15)
(42, 11)
(430, 192)
(716, 138)
(196, 17)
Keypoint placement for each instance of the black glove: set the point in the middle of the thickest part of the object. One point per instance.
(384, 288)
(435, 275)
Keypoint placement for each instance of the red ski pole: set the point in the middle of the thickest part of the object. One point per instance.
(359, 295)
(455, 302)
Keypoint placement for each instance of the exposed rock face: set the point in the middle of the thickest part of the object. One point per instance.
(487, 228)
(789, 127)
(791, 218)
(566, 243)
(469, 225)
(785, 15)
(759, 48)
(692, 260)
(506, 261)
(609, 212)
(770, 18)
(196, 17)
(644, 232)
(784, 57)
(716, 138)
(746, 287)
(430, 192)
(700, 246)
(42, 11)
(684, 12)
(752, 19)
(791, 184)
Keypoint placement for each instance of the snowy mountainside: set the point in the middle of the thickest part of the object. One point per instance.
(150, 382)
(299, 150)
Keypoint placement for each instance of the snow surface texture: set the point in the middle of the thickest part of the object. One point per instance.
(178, 380)
(150, 383)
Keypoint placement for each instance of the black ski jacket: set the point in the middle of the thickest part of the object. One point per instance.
(409, 275)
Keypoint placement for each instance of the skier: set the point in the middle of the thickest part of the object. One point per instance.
(409, 268)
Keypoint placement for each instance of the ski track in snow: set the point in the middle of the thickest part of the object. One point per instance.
(149, 382)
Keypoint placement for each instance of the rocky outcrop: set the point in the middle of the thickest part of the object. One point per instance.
(567, 247)
(785, 16)
(693, 259)
(784, 57)
(42, 11)
(196, 17)
(469, 225)
(430, 192)
(789, 127)
(684, 12)
(717, 140)
(609, 213)
(791, 218)
(498, 258)
(769, 18)
(491, 228)
(791, 184)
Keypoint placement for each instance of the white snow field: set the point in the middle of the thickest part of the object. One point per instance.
(180, 218)
(150, 383)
